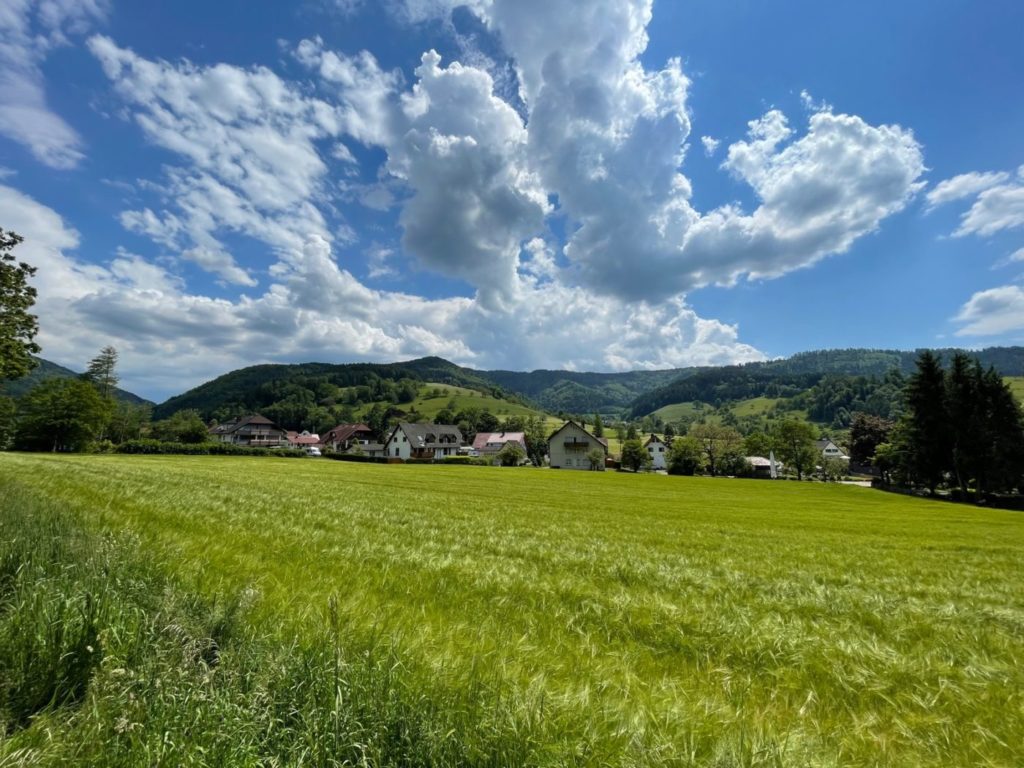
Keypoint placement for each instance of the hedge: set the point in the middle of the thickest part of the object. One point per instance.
(149, 446)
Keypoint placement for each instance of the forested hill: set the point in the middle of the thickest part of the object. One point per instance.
(261, 386)
(802, 372)
(574, 392)
(1009, 361)
(46, 370)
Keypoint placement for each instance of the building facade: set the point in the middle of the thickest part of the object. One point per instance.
(570, 447)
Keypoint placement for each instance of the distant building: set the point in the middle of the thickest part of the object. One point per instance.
(303, 440)
(657, 450)
(254, 431)
(422, 441)
(570, 445)
(490, 443)
(829, 450)
(344, 436)
(762, 467)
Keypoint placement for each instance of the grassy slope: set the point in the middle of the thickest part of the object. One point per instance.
(429, 405)
(755, 406)
(1017, 385)
(836, 625)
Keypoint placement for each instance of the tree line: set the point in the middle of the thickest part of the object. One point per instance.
(963, 430)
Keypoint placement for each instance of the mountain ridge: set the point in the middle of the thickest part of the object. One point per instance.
(556, 391)
(47, 369)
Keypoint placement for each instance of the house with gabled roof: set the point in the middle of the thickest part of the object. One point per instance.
(829, 450)
(657, 449)
(422, 441)
(344, 436)
(304, 439)
(254, 431)
(490, 443)
(570, 445)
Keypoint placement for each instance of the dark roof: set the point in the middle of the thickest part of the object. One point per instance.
(345, 431)
(429, 435)
(654, 438)
(255, 418)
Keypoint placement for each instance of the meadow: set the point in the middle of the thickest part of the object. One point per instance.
(487, 616)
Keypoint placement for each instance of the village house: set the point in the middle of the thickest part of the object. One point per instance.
(254, 431)
(830, 450)
(345, 436)
(491, 443)
(658, 451)
(303, 440)
(762, 467)
(569, 448)
(422, 441)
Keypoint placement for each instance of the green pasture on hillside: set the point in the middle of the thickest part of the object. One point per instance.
(1017, 385)
(754, 406)
(459, 398)
(617, 619)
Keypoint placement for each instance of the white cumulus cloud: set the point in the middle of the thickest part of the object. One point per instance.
(29, 31)
(171, 339)
(993, 312)
(998, 201)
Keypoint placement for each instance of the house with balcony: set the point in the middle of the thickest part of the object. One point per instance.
(253, 431)
(570, 447)
(422, 441)
(344, 436)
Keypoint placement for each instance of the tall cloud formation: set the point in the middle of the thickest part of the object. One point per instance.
(29, 31)
(171, 338)
(608, 138)
(593, 138)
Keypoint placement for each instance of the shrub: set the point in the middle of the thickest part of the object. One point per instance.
(158, 447)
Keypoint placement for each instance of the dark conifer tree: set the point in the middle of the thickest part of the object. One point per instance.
(927, 428)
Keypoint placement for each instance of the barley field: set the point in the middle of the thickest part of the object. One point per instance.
(488, 616)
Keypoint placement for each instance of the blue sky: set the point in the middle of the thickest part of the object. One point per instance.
(587, 184)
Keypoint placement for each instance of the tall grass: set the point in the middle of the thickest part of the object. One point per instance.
(528, 617)
(104, 661)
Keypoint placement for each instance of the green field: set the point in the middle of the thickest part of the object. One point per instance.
(459, 398)
(1017, 385)
(606, 618)
(755, 406)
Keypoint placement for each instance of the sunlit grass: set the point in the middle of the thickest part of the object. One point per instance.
(1017, 386)
(655, 617)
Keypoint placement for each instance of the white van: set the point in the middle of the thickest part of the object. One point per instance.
(313, 451)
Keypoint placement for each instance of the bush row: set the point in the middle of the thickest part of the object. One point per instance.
(149, 446)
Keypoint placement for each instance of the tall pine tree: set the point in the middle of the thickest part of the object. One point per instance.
(927, 427)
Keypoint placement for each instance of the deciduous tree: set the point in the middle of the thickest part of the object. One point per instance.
(634, 455)
(717, 442)
(686, 456)
(867, 432)
(61, 415)
(794, 445)
(18, 326)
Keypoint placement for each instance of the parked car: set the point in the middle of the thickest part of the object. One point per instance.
(313, 451)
